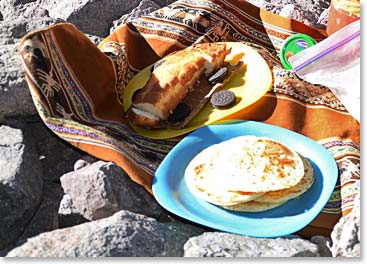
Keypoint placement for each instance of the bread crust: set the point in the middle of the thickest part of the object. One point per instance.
(142, 120)
(171, 81)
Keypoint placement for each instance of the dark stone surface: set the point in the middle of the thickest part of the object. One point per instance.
(21, 183)
(125, 234)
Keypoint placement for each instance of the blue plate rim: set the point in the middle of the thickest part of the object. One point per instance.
(326, 192)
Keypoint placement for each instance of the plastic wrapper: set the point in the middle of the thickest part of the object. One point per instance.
(335, 63)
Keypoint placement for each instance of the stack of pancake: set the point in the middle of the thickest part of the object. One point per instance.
(248, 174)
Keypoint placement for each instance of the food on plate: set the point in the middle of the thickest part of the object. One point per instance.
(223, 99)
(248, 173)
(252, 206)
(180, 85)
(302, 186)
(199, 175)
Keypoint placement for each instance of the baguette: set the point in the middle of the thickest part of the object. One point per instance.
(173, 80)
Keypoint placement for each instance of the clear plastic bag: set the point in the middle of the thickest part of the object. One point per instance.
(335, 63)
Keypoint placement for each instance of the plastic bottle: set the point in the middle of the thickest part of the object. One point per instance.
(342, 13)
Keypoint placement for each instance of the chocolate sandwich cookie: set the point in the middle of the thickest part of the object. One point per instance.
(218, 76)
(179, 113)
(223, 99)
(156, 65)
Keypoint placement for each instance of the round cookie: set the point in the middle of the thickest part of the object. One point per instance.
(179, 113)
(223, 99)
(218, 76)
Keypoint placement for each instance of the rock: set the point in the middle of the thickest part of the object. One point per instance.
(83, 162)
(312, 9)
(20, 183)
(95, 39)
(15, 28)
(46, 217)
(68, 213)
(145, 7)
(163, 3)
(102, 188)
(323, 19)
(215, 244)
(324, 245)
(258, 3)
(12, 9)
(91, 17)
(307, 12)
(80, 164)
(15, 98)
(56, 155)
(66, 206)
(124, 234)
(292, 11)
(346, 235)
(36, 12)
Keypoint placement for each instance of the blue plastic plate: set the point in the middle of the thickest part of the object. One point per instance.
(172, 193)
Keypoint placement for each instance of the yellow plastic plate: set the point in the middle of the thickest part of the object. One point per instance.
(249, 84)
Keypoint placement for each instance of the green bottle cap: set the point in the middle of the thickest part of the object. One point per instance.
(292, 45)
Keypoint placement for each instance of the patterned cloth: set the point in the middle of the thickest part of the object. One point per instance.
(78, 88)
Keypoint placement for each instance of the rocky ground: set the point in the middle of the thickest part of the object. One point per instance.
(58, 201)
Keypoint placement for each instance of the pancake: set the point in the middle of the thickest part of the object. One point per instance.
(260, 164)
(252, 206)
(207, 188)
(242, 169)
(284, 195)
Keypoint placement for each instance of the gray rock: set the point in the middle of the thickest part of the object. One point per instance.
(83, 162)
(69, 214)
(124, 234)
(80, 164)
(57, 156)
(46, 217)
(66, 206)
(15, 98)
(163, 3)
(292, 11)
(95, 39)
(324, 245)
(312, 9)
(323, 19)
(258, 3)
(145, 7)
(17, 27)
(91, 17)
(35, 12)
(20, 183)
(215, 244)
(101, 189)
(346, 235)
(307, 12)
(16, 21)
(12, 9)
